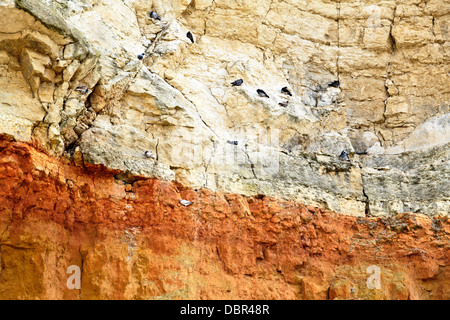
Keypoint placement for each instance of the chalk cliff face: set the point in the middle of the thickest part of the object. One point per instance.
(368, 77)
(391, 59)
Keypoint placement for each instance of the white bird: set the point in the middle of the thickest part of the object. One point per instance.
(149, 154)
(186, 202)
(82, 89)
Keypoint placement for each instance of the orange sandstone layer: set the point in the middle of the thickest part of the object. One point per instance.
(136, 241)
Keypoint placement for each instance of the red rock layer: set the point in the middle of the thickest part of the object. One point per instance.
(136, 241)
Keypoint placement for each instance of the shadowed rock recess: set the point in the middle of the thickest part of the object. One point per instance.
(109, 117)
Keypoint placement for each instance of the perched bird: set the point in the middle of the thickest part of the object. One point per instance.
(149, 154)
(286, 91)
(284, 104)
(190, 36)
(141, 56)
(261, 93)
(334, 84)
(237, 83)
(82, 89)
(232, 142)
(154, 15)
(344, 156)
(186, 202)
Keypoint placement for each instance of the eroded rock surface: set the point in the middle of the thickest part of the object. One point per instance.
(136, 241)
(368, 77)
(89, 87)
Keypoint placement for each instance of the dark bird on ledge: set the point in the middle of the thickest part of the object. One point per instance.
(335, 84)
(154, 15)
(286, 91)
(237, 83)
(261, 93)
(232, 142)
(190, 36)
(344, 156)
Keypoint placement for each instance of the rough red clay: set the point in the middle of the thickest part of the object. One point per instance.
(136, 241)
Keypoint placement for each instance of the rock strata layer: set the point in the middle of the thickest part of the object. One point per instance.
(134, 240)
(109, 117)
(367, 77)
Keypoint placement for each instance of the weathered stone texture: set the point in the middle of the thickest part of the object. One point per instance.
(369, 77)
(390, 57)
(134, 240)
